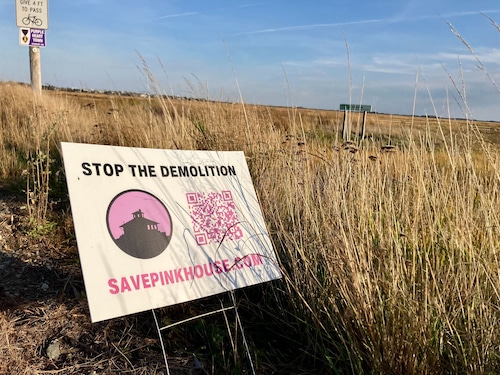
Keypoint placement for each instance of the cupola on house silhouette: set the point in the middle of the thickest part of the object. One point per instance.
(141, 237)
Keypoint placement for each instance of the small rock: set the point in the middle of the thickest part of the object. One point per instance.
(54, 350)
(44, 287)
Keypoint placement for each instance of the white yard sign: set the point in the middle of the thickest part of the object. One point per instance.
(160, 227)
(32, 14)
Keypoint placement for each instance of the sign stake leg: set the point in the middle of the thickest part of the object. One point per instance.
(242, 331)
(161, 342)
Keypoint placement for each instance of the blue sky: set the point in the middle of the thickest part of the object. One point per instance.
(283, 52)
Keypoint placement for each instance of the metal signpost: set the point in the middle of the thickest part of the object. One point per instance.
(32, 17)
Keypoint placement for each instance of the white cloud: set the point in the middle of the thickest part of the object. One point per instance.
(483, 54)
(184, 14)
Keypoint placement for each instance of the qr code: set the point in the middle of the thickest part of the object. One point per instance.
(214, 217)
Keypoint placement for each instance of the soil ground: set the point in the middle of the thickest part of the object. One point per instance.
(45, 325)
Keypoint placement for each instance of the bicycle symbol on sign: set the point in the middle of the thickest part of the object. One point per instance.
(32, 19)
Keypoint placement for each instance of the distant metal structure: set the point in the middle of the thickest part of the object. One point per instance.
(356, 107)
(347, 123)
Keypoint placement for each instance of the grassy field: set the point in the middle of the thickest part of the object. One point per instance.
(389, 243)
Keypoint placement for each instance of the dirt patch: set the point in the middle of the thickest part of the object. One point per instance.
(45, 324)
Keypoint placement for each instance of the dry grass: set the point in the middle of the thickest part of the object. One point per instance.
(389, 254)
(394, 261)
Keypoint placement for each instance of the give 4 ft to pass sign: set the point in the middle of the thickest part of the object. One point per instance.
(160, 227)
(32, 13)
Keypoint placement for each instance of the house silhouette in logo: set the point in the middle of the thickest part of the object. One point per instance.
(141, 237)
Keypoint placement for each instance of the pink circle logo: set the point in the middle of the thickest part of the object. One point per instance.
(139, 224)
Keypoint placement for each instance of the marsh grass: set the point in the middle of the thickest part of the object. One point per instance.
(390, 259)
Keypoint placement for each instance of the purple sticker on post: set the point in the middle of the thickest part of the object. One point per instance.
(37, 37)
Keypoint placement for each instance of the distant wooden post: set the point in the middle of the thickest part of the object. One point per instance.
(346, 127)
(363, 127)
(35, 70)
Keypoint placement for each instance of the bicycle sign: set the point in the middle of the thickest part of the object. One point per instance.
(28, 20)
(32, 13)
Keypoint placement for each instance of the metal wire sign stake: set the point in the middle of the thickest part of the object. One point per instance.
(187, 320)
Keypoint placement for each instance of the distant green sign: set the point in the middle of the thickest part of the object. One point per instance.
(356, 107)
